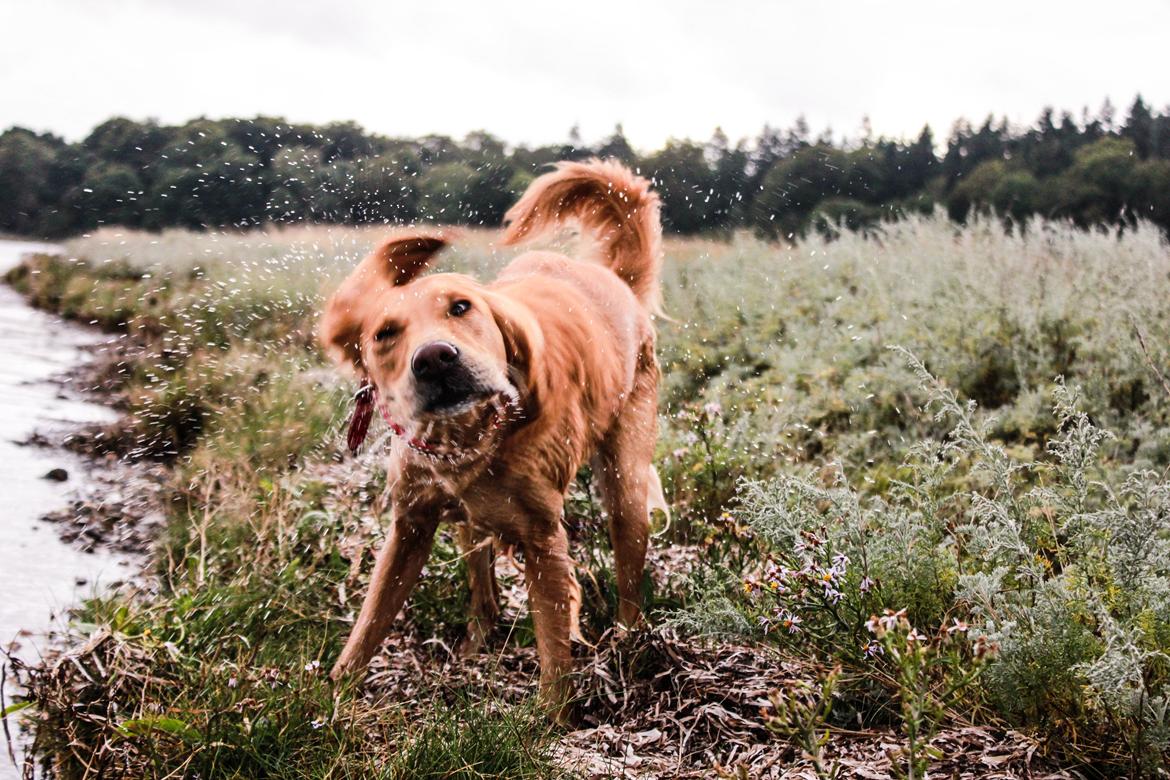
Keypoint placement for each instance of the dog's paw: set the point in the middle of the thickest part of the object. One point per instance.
(342, 670)
(472, 643)
(469, 647)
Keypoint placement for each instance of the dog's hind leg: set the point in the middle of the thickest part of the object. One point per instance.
(625, 457)
(485, 591)
(551, 585)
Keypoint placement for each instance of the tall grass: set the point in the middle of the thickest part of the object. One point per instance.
(777, 370)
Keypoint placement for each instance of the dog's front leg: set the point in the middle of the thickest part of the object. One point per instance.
(399, 563)
(551, 590)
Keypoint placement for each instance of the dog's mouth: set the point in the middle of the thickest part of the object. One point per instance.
(454, 401)
(455, 428)
(450, 390)
(464, 428)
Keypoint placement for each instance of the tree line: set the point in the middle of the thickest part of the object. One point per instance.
(1097, 170)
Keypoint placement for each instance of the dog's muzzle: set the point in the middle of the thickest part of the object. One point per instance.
(443, 380)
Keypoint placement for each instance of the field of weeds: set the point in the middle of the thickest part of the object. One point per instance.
(921, 524)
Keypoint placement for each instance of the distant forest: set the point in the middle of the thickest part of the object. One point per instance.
(1098, 170)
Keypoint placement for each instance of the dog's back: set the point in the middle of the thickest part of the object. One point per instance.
(596, 315)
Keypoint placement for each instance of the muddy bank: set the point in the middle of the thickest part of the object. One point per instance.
(47, 568)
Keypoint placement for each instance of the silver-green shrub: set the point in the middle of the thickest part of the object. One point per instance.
(1059, 564)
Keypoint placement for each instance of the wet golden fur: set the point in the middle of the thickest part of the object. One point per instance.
(565, 349)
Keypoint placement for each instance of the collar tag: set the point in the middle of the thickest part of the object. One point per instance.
(359, 422)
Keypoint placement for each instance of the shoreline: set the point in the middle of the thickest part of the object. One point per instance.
(63, 541)
(125, 526)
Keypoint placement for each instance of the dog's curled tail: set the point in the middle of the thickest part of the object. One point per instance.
(608, 199)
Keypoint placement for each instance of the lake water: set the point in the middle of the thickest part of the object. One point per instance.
(40, 576)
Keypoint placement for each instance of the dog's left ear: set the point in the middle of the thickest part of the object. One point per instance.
(395, 262)
(523, 340)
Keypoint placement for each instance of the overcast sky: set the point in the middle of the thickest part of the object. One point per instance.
(528, 71)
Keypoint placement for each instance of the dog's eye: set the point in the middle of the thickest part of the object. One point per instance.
(459, 308)
(386, 332)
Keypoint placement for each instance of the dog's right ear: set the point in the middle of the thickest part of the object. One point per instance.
(404, 255)
(395, 262)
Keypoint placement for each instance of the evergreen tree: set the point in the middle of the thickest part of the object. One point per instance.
(244, 172)
(1139, 126)
(617, 147)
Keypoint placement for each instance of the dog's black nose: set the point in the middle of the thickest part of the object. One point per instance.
(432, 360)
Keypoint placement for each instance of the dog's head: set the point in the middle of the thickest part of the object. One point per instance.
(446, 356)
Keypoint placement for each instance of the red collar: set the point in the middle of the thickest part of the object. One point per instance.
(359, 421)
(365, 400)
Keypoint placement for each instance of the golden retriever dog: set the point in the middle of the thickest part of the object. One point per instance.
(496, 395)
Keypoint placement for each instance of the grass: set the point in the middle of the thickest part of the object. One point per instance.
(777, 370)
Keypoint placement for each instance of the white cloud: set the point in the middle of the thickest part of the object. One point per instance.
(529, 70)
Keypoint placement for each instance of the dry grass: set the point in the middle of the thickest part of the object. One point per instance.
(268, 538)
